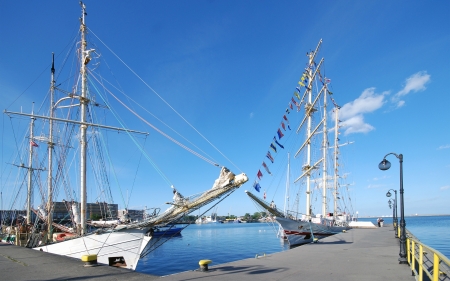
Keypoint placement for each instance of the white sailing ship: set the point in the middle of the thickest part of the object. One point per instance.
(301, 228)
(117, 243)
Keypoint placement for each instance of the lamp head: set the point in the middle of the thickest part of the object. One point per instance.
(384, 165)
(388, 194)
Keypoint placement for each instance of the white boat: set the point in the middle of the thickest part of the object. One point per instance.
(113, 242)
(311, 96)
(208, 219)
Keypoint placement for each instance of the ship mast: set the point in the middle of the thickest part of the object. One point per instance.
(336, 152)
(309, 111)
(85, 58)
(30, 171)
(286, 197)
(324, 150)
(50, 152)
(83, 128)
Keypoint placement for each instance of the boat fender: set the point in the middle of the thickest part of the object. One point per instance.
(344, 231)
(204, 264)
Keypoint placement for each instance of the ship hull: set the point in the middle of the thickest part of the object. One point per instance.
(303, 232)
(117, 248)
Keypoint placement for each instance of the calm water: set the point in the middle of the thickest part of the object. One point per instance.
(228, 242)
(222, 243)
(432, 231)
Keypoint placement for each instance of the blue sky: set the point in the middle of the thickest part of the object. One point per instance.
(230, 67)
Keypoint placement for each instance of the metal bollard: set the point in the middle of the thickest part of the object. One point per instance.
(204, 264)
(89, 260)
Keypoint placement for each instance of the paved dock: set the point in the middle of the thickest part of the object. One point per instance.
(19, 263)
(359, 254)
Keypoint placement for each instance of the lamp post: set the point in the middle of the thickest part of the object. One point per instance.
(385, 165)
(394, 213)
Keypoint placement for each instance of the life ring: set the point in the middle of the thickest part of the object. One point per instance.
(62, 236)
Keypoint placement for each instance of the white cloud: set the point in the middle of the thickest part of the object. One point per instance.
(351, 114)
(252, 114)
(382, 178)
(414, 83)
(375, 185)
(444, 146)
(445, 187)
(400, 103)
(356, 125)
(367, 102)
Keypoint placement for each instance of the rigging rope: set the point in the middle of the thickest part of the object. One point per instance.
(132, 138)
(159, 131)
(154, 116)
(100, 158)
(173, 109)
(135, 176)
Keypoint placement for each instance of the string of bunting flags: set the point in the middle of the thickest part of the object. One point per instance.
(275, 144)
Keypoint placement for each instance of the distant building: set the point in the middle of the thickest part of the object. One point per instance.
(62, 212)
(11, 216)
(133, 215)
(99, 210)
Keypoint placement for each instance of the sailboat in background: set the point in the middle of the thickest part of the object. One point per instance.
(301, 228)
(213, 217)
(208, 219)
(114, 242)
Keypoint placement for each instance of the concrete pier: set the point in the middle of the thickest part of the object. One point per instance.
(359, 254)
(19, 263)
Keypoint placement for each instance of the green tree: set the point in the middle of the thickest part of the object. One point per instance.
(256, 216)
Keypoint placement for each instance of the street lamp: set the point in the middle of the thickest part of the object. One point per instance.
(385, 165)
(394, 213)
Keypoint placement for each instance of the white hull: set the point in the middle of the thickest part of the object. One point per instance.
(109, 247)
(303, 232)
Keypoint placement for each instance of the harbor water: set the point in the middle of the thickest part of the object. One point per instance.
(229, 242)
(431, 230)
(219, 242)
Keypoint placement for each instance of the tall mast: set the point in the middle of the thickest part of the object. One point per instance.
(310, 111)
(83, 128)
(308, 146)
(324, 150)
(30, 171)
(336, 152)
(50, 152)
(286, 197)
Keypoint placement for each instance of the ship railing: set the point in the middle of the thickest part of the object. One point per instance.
(426, 263)
(294, 215)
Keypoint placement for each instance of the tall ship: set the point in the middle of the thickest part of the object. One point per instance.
(72, 156)
(304, 135)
